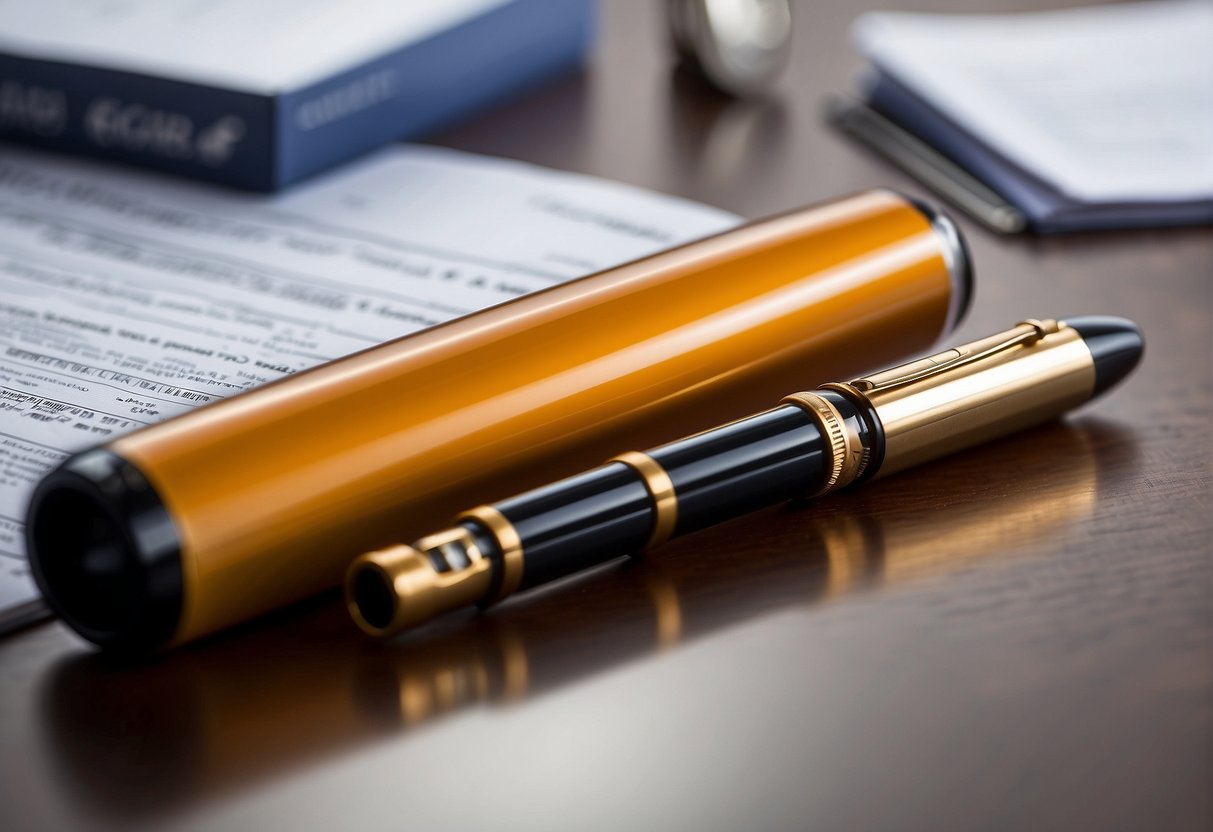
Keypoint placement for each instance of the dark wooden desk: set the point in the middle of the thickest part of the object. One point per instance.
(1015, 638)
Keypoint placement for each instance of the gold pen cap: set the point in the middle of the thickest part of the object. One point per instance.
(1034, 372)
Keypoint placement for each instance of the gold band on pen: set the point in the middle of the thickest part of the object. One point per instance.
(845, 450)
(859, 454)
(661, 488)
(508, 540)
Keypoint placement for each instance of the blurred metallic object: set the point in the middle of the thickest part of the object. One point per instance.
(739, 46)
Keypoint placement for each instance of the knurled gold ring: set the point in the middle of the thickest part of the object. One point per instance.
(833, 429)
(859, 456)
(509, 542)
(661, 488)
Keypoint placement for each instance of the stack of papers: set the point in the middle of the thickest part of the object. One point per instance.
(1082, 119)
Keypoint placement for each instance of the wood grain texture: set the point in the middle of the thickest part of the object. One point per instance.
(1018, 637)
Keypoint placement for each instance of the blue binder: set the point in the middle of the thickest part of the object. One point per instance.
(267, 141)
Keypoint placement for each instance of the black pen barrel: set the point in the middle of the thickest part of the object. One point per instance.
(630, 504)
(615, 510)
(743, 466)
(580, 521)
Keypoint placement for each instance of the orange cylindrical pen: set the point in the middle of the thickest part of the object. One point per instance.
(227, 512)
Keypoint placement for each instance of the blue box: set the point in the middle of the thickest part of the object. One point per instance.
(57, 91)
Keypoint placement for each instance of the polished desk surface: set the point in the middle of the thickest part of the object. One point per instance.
(1017, 637)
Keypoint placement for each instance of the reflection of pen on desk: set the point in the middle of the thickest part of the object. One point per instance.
(221, 719)
(683, 595)
(810, 445)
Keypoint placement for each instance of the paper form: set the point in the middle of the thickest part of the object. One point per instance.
(127, 298)
(1110, 103)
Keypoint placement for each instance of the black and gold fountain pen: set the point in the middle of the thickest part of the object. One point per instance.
(811, 444)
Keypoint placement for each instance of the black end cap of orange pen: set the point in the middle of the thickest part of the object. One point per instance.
(105, 552)
(1116, 346)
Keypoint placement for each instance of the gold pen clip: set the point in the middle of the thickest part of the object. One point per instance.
(1024, 333)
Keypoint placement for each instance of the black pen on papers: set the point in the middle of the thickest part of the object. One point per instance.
(811, 444)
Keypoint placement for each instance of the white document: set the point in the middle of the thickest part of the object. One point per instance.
(127, 298)
(1108, 104)
(241, 44)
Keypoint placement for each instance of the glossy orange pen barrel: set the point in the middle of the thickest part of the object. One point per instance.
(183, 528)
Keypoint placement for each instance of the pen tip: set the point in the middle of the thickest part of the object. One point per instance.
(1116, 346)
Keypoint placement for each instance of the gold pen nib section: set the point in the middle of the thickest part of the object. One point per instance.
(392, 589)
